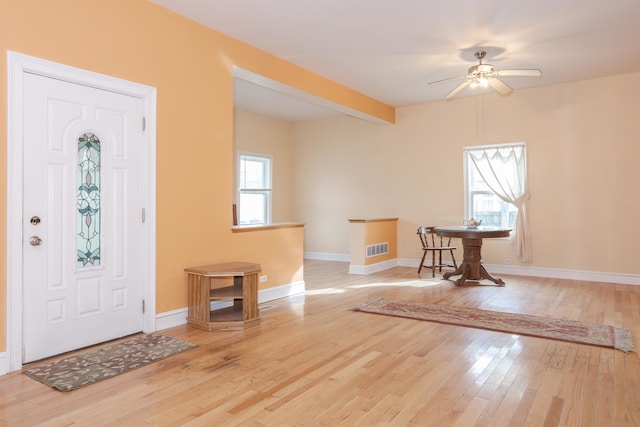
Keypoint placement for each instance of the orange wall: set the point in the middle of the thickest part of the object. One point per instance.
(381, 231)
(364, 232)
(192, 68)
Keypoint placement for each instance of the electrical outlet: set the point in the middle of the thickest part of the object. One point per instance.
(263, 278)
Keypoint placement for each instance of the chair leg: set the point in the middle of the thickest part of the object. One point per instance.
(433, 264)
(424, 254)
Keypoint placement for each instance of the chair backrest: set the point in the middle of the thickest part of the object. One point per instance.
(428, 238)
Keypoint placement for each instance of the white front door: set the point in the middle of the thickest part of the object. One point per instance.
(82, 216)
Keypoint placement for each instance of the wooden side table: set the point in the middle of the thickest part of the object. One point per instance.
(235, 282)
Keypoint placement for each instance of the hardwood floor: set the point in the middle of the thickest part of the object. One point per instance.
(312, 361)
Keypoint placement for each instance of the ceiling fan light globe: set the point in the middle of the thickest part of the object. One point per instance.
(479, 81)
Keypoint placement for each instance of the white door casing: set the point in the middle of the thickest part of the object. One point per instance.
(95, 297)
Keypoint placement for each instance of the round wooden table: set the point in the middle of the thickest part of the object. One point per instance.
(471, 267)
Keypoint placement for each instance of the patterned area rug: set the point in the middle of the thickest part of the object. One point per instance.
(97, 365)
(520, 324)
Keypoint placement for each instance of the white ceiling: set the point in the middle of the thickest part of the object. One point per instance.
(391, 50)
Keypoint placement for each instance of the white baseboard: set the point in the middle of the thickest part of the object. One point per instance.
(172, 318)
(554, 273)
(282, 291)
(373, 268)
(327, 256)
(516, 270)
(558, 273)
(178, 317)
(4, 363)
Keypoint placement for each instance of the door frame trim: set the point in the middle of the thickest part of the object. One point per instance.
(17, 65)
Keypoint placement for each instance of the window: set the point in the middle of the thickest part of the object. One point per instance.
(495, 178)
(254, 189)
(496, 190)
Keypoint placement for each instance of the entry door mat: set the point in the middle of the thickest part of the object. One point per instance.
(519, 324)
(106, 362)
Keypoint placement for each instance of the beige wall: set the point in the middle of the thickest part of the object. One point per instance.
(258, 134)
(583, 151)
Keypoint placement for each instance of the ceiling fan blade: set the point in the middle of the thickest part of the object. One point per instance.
(519, 73)
(444, 80)
(499, 86)
(458, 89)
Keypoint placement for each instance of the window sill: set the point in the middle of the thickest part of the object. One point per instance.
(274, 226)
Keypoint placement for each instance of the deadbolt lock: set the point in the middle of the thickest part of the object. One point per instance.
(35, 220)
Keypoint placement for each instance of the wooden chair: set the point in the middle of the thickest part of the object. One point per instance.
(432, 243)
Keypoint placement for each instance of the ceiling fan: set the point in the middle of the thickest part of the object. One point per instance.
(484, 75)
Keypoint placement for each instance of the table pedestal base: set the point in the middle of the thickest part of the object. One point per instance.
(471, 267)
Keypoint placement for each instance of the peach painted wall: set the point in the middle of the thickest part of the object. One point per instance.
(192, 68)
(583, 151)
(382, 231)
(365, 232)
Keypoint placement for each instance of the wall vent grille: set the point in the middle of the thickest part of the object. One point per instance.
(377, 249)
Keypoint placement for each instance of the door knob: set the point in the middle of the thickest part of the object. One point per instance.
(35, 241)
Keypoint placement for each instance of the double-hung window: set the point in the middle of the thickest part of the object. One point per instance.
(254, 189)
(496, 189)
(494, 177)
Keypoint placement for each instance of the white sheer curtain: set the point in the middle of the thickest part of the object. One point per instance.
(503, 168)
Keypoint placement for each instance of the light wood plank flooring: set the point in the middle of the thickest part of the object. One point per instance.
(313, 362)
